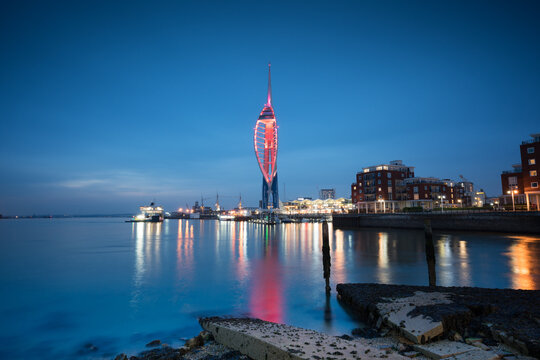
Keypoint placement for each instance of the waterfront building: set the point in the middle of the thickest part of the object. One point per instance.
(393, 186)
(318, 206)
(265, 141)
(327, 194)
(523, 180)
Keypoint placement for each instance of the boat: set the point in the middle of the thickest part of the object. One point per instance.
(150, 213)
(225, 217)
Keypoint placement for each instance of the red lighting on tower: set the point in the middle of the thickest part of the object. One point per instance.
(265, 141)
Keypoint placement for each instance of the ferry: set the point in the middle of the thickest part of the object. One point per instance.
(150, 213)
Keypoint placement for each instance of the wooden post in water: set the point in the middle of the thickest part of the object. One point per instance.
(326, 256)
(430, 253)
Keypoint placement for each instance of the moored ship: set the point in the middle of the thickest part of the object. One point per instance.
(150, 213)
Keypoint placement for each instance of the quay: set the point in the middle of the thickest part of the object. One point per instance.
(515, 222)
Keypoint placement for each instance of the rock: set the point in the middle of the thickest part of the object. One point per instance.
(154, 343)
(206, 336)
(457, 337)
(444, 348)
(366, 333)
(345, 337)
(195, 342)
(121, 357)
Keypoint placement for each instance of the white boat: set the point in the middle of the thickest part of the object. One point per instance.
(225, 217)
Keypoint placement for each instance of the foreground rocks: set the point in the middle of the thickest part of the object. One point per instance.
(201, 347)
(424, 314)
(262, 340)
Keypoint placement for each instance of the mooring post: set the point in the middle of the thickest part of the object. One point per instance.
(326, 256)
(430, 252)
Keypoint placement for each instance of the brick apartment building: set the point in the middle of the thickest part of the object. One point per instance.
(524, 177)
(394, 186)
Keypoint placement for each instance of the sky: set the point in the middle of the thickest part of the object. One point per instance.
(108, 105)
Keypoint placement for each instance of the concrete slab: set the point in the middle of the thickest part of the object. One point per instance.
(477, 355)
(419, 329)
(262, 340)
(453, 350)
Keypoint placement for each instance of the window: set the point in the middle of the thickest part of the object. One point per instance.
(378, 174)
(402, 175)
(530, 150)
(534, 184)
(379, 181)
(389, 182)
(444, 188)
(512, 180)
(360, 191)
(389, 175)
(425, 187)
(389, 189)
(380, 189)
(532, 161)
(360, 184)
(532, 173)
(415, 189)
(390, 197)
(426, 196)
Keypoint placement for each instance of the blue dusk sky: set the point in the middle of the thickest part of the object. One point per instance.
(108, 105)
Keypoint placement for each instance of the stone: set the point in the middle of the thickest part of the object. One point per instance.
(121, 357)
(195, 342)
(444, 349)
(262, 340)
(154, 343)
(206, 336)
(477, 355)
(419, 329)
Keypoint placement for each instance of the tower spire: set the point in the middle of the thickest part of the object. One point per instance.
(269, 100)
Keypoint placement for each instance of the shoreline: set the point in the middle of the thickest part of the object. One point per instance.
(402, 322)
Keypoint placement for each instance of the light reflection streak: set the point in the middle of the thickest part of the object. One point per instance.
(523, 264)
(337, 270)
(266, 300)
(147, 254)
(383, 270)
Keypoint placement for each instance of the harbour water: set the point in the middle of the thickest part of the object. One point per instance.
(93, 287)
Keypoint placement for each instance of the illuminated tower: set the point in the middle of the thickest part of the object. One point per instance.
(266, 145)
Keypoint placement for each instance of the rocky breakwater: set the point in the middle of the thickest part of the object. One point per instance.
(430, 316)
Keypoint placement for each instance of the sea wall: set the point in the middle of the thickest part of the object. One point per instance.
(528, 222)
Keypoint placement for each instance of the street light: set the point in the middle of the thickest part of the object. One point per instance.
(442, 202)
(514, 191)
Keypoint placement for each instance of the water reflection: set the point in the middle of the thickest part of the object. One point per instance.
(267, 291)
(524, 263)
(147, 253)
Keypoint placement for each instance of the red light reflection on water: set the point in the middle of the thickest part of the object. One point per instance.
(266, 301)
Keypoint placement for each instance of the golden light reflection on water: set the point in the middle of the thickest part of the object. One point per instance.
(184, 247)
(383, 271)
(523, 263)
(147, 253)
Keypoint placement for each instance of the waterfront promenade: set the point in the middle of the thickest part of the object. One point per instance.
(508, 222)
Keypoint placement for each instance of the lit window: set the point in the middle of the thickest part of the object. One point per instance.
(380, 189)
(534, 185)
(354, 187)
(530, 150)
(532, 172)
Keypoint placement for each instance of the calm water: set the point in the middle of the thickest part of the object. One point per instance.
(66, 283)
